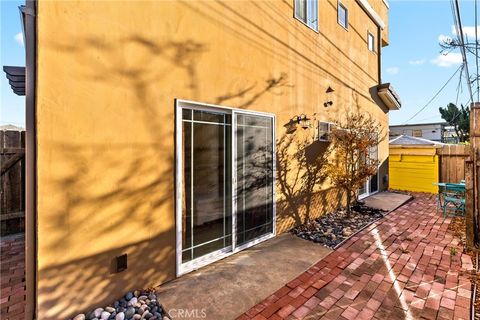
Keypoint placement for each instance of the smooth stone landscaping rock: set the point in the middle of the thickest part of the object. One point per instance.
(132, 301)
(333, 228)
(110, 309)
(98, 312)
(143, 305)
(130, 312)
(146, 315)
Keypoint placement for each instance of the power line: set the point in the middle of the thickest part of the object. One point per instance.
(459, 86)
(458, 25)
(436, 94)
(470, 100)
(428, 118)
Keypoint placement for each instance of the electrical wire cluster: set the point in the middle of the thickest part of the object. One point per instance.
(461, 42)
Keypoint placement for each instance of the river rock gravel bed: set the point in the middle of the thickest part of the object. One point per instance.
(137, 305)
(333, 228)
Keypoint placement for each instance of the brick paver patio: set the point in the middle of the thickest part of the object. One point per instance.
(405, 266)
(12, 268)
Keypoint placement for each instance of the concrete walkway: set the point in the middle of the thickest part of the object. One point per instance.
(407, 265)
(225, 288)
(387, 201)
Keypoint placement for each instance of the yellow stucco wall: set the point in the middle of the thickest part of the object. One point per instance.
(108, 73)
(413, 169)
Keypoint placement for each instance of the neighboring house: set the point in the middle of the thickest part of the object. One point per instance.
(10, 127)
(414, 164)
(436, 131)
(155, 130)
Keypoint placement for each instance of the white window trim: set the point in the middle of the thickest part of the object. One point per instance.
(303, 22)
(340, 4)
(183, 268)
(373, 42)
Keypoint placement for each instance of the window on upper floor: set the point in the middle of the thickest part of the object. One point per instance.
(307, 12)
(417, 133)
(371, 42)
(342, 15)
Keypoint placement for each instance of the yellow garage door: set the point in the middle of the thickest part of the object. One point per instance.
(413, 172)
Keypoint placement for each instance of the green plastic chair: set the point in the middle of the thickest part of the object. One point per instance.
(441, 190)
(453, 200)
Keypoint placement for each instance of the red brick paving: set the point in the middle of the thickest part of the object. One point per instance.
(399, 267)
(12, 275)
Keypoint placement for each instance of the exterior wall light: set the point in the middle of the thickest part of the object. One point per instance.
(329, 94)
(303, 121)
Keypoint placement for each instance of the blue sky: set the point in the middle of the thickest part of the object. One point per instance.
(412, 62)
(12, 52)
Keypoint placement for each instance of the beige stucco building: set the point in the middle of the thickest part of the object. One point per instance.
(166, 130)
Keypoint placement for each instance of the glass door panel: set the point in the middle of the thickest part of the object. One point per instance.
(207, 192)
(374, 183)
(254, 177)
(363, 191)
(371, 185)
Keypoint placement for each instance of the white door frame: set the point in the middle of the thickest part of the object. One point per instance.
(182, 268)
(368, 188)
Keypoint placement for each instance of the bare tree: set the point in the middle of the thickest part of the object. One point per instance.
(352, 161)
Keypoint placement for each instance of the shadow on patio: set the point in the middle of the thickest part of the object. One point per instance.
(400, 267)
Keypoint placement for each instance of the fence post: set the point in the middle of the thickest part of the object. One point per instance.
(472, 180)
(470, 216)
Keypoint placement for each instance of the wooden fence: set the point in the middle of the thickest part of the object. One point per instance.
(12, 181)
(452, 158)
(472, 178)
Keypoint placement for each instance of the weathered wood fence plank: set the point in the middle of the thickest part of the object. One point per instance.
(452, 162)
(472, 217)
(12, 181)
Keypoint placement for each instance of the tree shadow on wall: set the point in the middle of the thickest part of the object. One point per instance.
(300, 163)
(271, 85)
(117, 195)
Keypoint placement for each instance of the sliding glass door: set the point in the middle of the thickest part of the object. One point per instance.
(371, 185)
(254, 177)
(207, 192)
(225, 182)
